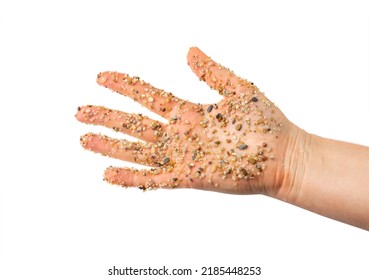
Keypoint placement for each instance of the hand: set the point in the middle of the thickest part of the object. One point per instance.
(241, 145)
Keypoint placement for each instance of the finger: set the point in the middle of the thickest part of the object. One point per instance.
(136, 125)
(144, 179)
(156, 100)
(216, 76)
(136, 152)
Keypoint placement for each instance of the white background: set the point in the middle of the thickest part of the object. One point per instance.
(59, 220)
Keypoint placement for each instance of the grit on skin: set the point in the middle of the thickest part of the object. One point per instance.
(228, 147)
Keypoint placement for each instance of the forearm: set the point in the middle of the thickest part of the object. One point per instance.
(330, 178)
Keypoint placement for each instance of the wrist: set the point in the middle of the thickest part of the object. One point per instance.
(327, 177)
(295, 162)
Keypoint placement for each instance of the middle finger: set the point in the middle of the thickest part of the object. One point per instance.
(135, 125)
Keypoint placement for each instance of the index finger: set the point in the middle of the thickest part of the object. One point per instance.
(154, 99)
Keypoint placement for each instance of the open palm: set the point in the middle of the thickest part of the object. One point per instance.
(238, 145)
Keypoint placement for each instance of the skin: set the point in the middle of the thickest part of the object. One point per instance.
(241, 145)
